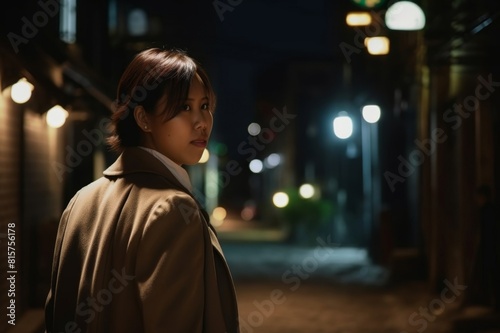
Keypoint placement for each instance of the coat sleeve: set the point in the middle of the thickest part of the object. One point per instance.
(169, 268)
(49, 303)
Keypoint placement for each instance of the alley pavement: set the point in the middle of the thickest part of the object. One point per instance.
(326, 288)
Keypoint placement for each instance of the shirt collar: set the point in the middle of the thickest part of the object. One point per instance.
(179, 172)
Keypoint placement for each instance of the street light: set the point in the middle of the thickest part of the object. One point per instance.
(356, 19)
(306, 191)
(280, 199)
(342, 125)
(56, 116)
(371, 178)
(371, 113)
(379, 45)
(343, 129)
(405, 15)
(21, 91)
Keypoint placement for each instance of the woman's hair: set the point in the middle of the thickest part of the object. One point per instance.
(154, 76)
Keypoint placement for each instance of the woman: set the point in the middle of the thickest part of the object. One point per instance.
(134, 251)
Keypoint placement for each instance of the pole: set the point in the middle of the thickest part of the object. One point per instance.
(366, 158)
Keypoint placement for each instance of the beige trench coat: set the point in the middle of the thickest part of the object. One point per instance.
(136, 253)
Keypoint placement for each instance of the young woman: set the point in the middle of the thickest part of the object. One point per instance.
(135, 252)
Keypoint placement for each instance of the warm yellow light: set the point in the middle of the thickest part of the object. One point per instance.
(280, 199)
(355, 19)
(306, 191)
(21, 91)
(219, 213)
(204, 157)
(56, 116)
(218, 216)
(377, 45)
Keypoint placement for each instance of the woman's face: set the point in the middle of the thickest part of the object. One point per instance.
(184, 137)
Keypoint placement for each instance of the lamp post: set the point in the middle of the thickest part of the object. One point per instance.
(371, 174)
(343, 129)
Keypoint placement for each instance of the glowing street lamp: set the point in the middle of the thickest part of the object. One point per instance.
(256, 166)
(342, 125)
(356, 19)
(371, 113)
(377, 45)
(405, 15)
(21, 91)
(306, 191)
(370, 165)
(56, 116)
(280, 199)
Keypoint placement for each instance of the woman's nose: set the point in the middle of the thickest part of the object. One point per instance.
(203, 119)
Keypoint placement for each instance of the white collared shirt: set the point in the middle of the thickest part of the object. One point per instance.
(179, 172)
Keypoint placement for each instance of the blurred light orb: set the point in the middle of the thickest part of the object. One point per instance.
(218, 216)
(256, 166)
(205, 156)
(254, 129)
(248, 213)
(377, 45)
(272, 161)
(342, 125)
(306, 191)
(219, 213)
(280, 199)
(405, 15)
(56, 116)
(21, 91)
(356, 19)
(371, 113)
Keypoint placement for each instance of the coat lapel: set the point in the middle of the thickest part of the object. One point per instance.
(136, 160)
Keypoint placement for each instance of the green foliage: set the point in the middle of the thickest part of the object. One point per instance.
(312, 212)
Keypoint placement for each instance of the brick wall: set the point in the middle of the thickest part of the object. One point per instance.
(42, 202)
(31, 197)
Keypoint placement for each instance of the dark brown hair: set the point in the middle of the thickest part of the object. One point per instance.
(154, 75)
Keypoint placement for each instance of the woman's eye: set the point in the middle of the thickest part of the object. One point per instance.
(205, 106)
(185, 107)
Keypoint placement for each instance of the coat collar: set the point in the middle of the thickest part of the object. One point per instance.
(136, 160)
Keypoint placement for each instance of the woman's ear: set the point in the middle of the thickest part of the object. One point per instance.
(141, 118)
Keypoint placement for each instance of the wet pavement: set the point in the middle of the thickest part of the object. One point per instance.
(324, 288)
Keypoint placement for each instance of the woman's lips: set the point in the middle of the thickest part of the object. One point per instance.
(199, 143)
